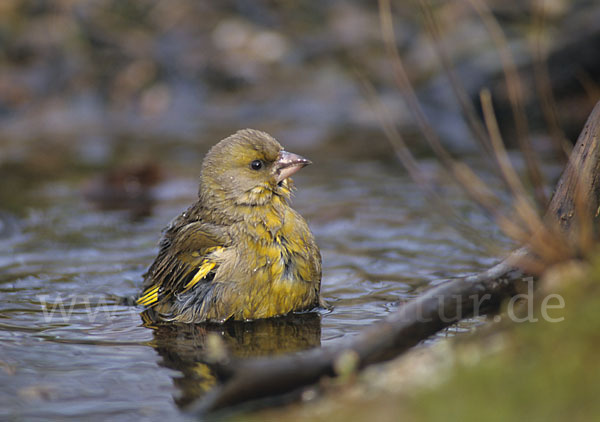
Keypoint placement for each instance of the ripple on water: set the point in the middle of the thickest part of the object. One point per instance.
(71, 350)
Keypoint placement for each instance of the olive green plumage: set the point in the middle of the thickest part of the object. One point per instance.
(240, 252)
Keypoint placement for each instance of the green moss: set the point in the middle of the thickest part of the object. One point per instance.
(546, 371)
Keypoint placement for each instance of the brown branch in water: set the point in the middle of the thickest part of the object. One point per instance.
(413, 322)
(425, 315)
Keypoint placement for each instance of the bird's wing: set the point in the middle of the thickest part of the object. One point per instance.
(185, 259)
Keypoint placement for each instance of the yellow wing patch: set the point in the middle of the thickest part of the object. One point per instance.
(149, 296)
(202, 272)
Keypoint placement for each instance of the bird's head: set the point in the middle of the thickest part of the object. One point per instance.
(248, 168)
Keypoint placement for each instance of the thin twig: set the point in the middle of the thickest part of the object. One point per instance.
(411, 165)
(538, 236)
(543, 85)
(515, 95)
(465, 178)
(465, 103)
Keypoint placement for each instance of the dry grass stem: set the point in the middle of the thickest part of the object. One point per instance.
(543, 85)
(544, 237)
(411, 165)
(466, 105)
(515, 95)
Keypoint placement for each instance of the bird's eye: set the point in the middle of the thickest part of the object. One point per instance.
(256, 165)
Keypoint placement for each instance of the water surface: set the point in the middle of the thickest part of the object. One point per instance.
(71, 351)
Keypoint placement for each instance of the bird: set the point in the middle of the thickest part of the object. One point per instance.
(241, 252)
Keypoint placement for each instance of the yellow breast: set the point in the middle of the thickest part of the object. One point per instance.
(281, 280)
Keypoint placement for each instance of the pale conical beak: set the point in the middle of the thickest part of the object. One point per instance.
(287, 164)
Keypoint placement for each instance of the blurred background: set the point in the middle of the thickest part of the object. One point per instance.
(108, 106)
(88, 82)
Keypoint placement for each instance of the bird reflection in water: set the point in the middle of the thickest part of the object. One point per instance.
(204, 354)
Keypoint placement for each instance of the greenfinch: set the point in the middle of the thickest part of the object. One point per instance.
(240, 252)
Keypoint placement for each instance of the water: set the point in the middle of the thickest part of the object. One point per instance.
(71, 351)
